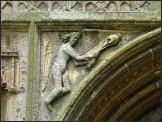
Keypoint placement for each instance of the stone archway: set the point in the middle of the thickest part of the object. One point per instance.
(123, 83)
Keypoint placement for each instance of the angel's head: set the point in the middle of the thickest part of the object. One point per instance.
(72, 38)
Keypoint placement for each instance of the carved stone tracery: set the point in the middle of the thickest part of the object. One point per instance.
(74, 6)
(9, 54)
(45, 42)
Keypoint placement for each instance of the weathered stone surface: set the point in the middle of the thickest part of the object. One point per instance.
(77, 6)
(32, 35)
(14, 72)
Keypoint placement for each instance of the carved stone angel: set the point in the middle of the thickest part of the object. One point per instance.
(58, 71)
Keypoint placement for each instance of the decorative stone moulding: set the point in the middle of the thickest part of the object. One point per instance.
(77, 60)
(74, 6)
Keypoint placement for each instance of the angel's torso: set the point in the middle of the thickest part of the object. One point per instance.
(61, 59)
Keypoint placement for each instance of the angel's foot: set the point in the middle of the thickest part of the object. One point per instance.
(65, 90)
(48, 105)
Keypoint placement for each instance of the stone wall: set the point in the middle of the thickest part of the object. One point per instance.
(31, 38)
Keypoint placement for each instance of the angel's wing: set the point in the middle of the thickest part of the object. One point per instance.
(48, 55)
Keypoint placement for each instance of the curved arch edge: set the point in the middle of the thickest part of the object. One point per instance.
(76, 92)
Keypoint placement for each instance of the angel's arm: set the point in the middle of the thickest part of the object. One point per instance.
(70, 51)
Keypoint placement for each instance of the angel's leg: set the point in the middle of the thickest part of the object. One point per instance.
(66, 83)
(57, 89)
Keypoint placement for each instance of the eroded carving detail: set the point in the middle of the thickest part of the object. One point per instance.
(58, 74)
(8, 76)
(107, 42)
(74, 6)
(9, 55)
(6, 6)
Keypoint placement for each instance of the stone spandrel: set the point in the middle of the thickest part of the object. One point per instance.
(75, 6)
(53, 20)
(90, 41)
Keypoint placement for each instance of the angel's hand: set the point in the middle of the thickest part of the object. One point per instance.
(96, 54)
(93, 55)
